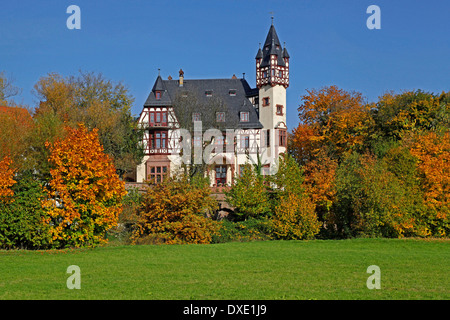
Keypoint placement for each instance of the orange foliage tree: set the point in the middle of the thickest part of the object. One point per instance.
(335, 120)
(433, 153)
(84, 192)
(6, 179)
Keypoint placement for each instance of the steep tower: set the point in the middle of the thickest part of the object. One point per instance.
(272, 79)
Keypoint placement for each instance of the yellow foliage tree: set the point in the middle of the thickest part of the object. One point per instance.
(85, 192)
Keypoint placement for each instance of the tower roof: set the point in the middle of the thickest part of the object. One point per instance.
(272, 46)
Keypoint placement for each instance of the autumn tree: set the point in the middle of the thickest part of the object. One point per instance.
(84, 193)
(411, 111)
(174, 212)
(7, 89)
(99, 103)
(6, 179)
(16, 126)
(433, 153)
(333, 119)
(293, 214)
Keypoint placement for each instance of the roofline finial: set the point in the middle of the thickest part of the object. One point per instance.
(271, 12)
(159, 72)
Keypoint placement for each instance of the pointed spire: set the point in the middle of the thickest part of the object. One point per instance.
(272, 46)
(159, 85)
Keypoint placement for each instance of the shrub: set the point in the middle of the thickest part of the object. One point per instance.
(22, 221)
(242, 231)
(294, 215)
(372, 201)
(249, 195)
(174, 212)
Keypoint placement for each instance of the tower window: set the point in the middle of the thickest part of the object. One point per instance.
(244, 116)
(282, 138)
(265, 102)
(158, 95)
(232, 92)
(279, 110)
(208, 93)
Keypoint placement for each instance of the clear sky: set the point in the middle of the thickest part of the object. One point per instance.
(328, 41)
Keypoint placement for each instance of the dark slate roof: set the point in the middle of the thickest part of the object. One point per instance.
(220, 88)
(271, 46)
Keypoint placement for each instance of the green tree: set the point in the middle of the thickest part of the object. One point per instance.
(249, 195)
(99, 103)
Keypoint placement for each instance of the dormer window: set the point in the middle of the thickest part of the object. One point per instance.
(208, 93)
(196, 116)
(158, 95)
(232, 92)
(220, 116)
(244, 116)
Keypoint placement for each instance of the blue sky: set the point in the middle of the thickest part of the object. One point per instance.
(328, 41)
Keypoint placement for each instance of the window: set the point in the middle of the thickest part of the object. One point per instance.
(245, 142)
(158, 95)
(158, 118)
(279, 109)
(265, 102)
(196, 116)
(157, 174)
(208, 93)
(232, 92)
(221, 175)
(244, 116)
(220, 116)
(158, 140)
(266, 138)
(264, 74)
(282, 138)
(197, 141)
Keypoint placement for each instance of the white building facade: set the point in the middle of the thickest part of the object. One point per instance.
(223, 123)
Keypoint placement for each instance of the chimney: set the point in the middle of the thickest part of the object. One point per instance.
(180, 83)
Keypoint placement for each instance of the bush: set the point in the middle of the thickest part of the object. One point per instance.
(242, 231)
(174, 212)
(22, 220)
(372, 201)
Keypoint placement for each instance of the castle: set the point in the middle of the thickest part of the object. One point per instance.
(226, 122)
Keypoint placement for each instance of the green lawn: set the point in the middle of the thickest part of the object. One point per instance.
(319, 269)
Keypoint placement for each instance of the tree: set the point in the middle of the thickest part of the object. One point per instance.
(98, 103)
(84, 193)
(172, 212)
(185, 105)
(332, 119)
(294, 214)
(249, 195)
(6, 179)
(433, 153)
(7, 89)
(372, 201)
(16, 125)
(411, 111)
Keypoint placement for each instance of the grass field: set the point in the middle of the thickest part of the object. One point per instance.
(319, 269)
